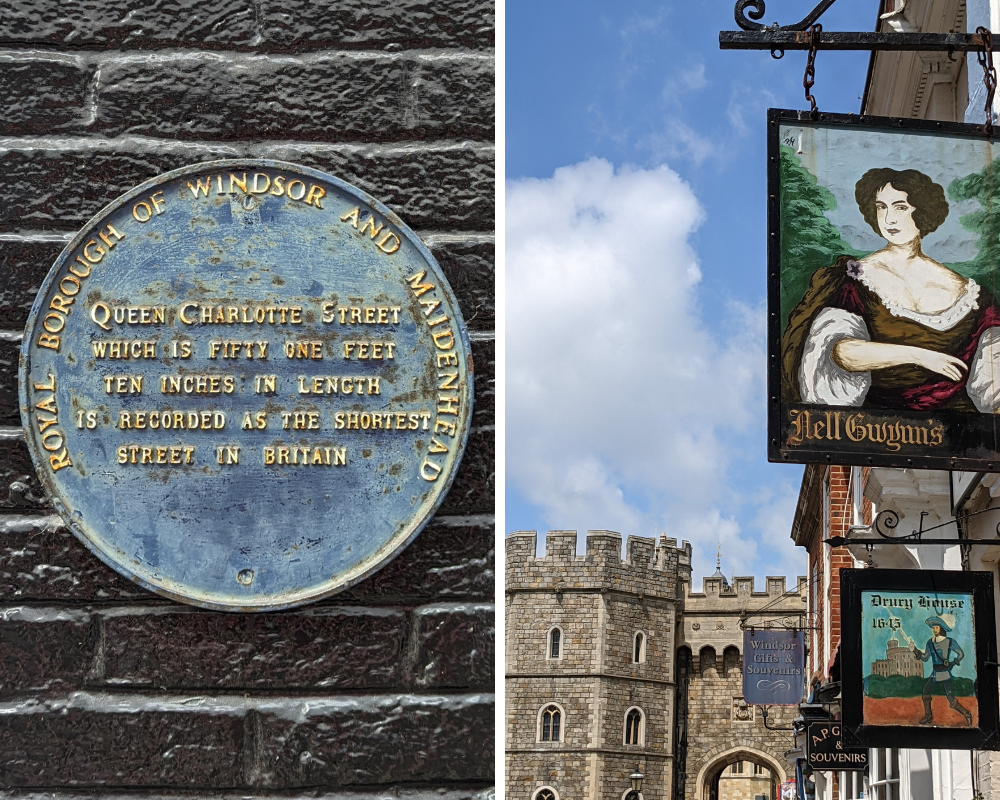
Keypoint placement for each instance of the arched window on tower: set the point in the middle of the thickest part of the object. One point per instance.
(550, 724)
(639, 648)
(634, 727)
(554, 647)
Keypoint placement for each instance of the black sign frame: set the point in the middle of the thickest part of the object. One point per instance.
(986, 736)
(971, 440)
(829, 733)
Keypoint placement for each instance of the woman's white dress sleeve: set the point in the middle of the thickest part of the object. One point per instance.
(984, 373)
(820, 379)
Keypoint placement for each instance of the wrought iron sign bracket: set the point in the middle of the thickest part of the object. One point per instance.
(755, 35)
(888, 520)
(763, 712)
(788, 622)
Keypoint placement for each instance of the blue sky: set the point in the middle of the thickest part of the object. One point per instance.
(635, 157)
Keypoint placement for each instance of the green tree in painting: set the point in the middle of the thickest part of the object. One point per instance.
(981, 186)
(808, 239)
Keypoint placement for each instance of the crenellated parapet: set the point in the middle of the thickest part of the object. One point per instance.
(742, 588)
(650, 567)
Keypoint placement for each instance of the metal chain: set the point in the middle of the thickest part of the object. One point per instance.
(810, 77)
(985, 58)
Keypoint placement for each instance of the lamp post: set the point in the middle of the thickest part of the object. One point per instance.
(636, 780)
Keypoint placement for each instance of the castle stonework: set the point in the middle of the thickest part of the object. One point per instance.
(898, 661)
(721, 729)
(614, 663)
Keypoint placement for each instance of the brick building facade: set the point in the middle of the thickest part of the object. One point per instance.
(827, 506)
(632, 638)
(106, 689)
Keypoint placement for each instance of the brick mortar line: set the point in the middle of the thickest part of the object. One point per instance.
(119, 144)
(11, 433)
(451, 608)
(42, 613)
(176, 54)
(435, 238)
(238, 704)
(472, 520)
(263, 48)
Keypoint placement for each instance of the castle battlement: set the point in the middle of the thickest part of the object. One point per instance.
(718, 593)
(650, 567)
(743, 586)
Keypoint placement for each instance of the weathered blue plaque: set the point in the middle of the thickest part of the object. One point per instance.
(246, 385)
(773, 667)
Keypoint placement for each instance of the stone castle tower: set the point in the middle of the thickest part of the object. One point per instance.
(610, 676)
(614, 663)
(722, 733)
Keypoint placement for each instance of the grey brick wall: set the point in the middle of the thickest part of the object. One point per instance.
(107, 690)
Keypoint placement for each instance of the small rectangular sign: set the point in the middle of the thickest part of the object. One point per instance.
(825, 749)
(773, 667)
(918, 659)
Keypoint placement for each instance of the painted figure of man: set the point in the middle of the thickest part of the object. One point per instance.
(944, 654)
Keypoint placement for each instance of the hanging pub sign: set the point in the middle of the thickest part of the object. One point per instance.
(884, 320)
(773, 667)
(246, 385)
(918, 659)
(825, 748)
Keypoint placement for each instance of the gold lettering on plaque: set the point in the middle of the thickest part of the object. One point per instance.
(47, 418)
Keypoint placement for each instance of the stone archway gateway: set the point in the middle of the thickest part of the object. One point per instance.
(710, 772)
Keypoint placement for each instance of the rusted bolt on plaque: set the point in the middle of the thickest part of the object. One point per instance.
(246, 385)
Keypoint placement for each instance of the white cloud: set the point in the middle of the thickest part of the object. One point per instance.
(745, 99)
(679, 141)
(622, 406)
(692, 79)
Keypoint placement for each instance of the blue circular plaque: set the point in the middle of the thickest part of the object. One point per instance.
(246, 385)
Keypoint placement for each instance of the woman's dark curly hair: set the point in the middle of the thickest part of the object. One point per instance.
(927, 198)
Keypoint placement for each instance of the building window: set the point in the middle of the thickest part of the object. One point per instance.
(550, 724)
(759, 770)
(885, 776)
(545, 793)
(737, 768)
(634, 726)
(555, 643)
(639, 648)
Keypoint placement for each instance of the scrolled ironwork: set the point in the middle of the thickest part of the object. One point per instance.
(747, 19)
(885, 523)
(757, 12)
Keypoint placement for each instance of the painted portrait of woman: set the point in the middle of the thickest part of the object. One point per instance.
(894, 329)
